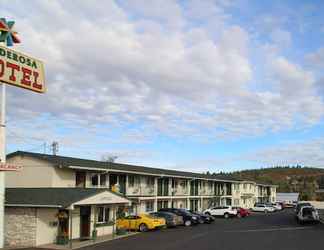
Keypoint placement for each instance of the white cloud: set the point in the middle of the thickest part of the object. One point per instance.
(308, 153)
(281, 38)
(316, 59)
(144, 64)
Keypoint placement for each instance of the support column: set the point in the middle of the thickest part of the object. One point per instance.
(126, 184)
(114, 220)
(71, 225)
(170, 187)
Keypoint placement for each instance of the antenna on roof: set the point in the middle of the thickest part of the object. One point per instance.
(55, 147)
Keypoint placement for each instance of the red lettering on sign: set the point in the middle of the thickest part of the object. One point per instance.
(26, 76)
(13, 67)
(1, 68)
(35, 84)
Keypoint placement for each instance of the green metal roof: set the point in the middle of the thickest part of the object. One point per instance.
(64, 161)
(48, 197)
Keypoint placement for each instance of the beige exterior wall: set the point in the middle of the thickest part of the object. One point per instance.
(27, 177)
(63, 177)
(46, 232)
(47, 175)
(106, 230)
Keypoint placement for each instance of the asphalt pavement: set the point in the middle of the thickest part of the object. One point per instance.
(277, 231)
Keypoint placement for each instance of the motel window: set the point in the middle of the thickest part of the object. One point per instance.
(94, 180)
(131, 180)
(183, 184)
(103, 214)
(103, 180)
(236, 202)
(149, 181)
(149, 206)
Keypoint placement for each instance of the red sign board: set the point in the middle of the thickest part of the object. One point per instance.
(9, 167)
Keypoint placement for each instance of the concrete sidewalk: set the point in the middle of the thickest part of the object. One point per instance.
(76, 244)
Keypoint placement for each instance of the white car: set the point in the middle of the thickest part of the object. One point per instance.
(224, 211)
(263, 208)
(308, 214)
(277, 206)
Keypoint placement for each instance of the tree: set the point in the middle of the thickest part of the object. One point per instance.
(109, 158)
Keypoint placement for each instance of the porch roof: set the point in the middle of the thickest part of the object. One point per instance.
(60, 197)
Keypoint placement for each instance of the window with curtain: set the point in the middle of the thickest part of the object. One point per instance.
(103, 214)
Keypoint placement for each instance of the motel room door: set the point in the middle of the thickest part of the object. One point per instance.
(85, 212)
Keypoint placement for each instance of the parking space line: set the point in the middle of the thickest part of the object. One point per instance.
(268, 230)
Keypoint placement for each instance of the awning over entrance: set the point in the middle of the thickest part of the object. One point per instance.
(61, 197)
(106, 197)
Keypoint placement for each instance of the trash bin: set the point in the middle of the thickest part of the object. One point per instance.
(94, 234)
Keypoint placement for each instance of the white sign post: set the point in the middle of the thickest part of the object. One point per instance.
(3, 160)
(21, 71)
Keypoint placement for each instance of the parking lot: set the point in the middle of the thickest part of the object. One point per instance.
(259, 231)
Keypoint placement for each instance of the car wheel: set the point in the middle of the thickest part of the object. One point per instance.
(143, 227)
(187, 223)
(226, 215)
(239, 215)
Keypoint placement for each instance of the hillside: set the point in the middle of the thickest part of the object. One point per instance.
(304, 180)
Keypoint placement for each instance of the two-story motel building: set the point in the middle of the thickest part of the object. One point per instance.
(141, 189)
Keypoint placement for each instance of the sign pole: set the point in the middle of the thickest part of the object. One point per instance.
(3, 160)
(22, 71)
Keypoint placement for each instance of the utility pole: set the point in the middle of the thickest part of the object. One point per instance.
(45, 147)
(55, 147)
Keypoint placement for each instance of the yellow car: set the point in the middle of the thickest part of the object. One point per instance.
(142, 222)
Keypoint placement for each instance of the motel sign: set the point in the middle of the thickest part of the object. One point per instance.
(21, 70)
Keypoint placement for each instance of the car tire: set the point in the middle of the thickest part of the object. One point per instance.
(239, 215)
(187, 223)
(143, 227)
(226, 215)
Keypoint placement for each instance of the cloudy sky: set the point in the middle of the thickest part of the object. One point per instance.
(188, 84)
